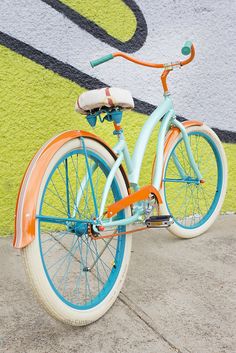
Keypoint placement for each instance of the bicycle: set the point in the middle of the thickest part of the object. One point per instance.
(76, 200)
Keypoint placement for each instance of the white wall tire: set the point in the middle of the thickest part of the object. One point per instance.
(33, 262)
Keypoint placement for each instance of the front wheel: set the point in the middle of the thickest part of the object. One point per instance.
(76, 278)
(193, 205)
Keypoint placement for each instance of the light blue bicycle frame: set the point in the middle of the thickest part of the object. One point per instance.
(165, 112)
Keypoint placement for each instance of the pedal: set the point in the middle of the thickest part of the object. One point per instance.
(163, 221)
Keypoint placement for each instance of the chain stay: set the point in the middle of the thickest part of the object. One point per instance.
(108, 236)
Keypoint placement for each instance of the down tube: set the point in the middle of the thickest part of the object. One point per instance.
(160, 149)
(144, 137)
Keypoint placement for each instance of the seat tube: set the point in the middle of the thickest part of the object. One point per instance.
(144, 136)
(109, 181)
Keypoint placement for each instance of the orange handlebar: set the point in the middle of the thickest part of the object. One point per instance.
(190, 58)
(136, 61)
(159, 66)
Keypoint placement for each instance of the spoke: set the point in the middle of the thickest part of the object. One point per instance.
(99, 198)
(186, 205)
(57, 194)
(78, 180)
(97, 269)
(179, 191)
(86, 199)
(198, 205)
(53, 207)
(86, 272)
(181, 144)
(70, 257)
(67, 188)
(184, 201)
(76, 186)
(95, 252)
(193, 207)
(90, 176)
(102, 251)
(81, 264)
(204, 196)
(110, 245)
(51, 247)
(94, 243)
(53, 237)
(61, 259)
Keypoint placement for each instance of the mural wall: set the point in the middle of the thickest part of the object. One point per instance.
(45, 49)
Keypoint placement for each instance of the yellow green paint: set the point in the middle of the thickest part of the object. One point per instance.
(114, 16)
(37, 104)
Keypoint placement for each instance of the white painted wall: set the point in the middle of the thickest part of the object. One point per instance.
(204, 90)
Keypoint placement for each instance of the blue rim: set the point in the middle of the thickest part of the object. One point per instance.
(120, 241)
(219, 181)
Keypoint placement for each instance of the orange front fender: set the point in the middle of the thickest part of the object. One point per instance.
(174, 133)
(25, 212)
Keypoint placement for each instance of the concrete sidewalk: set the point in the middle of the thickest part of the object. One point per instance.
(179, 296)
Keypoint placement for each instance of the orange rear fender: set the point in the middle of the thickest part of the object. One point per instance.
(25, 212)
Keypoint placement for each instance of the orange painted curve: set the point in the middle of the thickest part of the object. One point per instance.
(25, 212)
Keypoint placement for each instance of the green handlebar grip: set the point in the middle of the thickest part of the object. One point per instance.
(187, 48)
(101, 60)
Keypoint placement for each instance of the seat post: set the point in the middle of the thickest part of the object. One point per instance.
(117, 127)
(116, 118)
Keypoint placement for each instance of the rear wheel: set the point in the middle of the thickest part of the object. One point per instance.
(193, 205)
(77, 278)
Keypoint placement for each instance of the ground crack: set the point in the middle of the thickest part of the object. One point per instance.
(148, 321)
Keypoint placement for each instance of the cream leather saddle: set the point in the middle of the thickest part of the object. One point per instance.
(104, 97)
